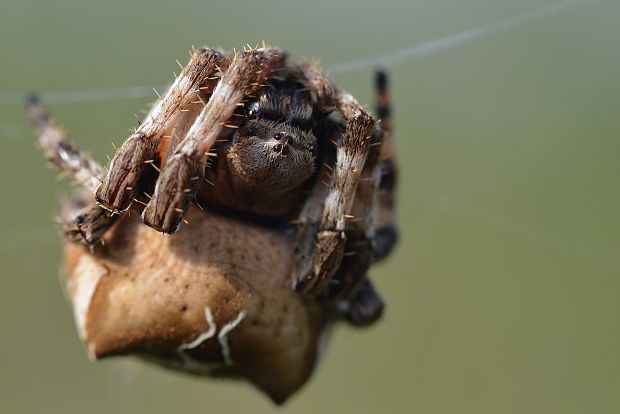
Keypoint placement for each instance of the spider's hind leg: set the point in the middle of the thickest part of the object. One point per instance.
(365, 307)
(386, 233)
(81, 219)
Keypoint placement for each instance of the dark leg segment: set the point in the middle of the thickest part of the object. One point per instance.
(365, 306)
(386, 234)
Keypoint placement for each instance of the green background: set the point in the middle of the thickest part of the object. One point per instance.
(504, 292)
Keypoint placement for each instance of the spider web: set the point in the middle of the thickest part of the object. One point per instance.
(22, 238)
(384, 60)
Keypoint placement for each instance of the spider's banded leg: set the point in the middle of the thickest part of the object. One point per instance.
(374, 205)
(90, 222)
(182, 173)
(386, 233)
(322, 252)
(119, 186)
(359, 249)
(366, 306)
(61, 152)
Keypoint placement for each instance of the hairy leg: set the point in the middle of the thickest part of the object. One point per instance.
(61, 152)
(386, 233)
(182, 173)
(321, 241)
(120, 185)
(79, 224)
(376, 208)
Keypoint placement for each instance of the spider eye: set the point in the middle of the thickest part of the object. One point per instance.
(278, 136)
(253, 108)
(311, 147)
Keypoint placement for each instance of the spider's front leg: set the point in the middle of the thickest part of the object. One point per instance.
(183, 172)
(85, 224)
(321, 243)
(151, 140)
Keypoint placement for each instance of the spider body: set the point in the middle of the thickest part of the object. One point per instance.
(243, 134)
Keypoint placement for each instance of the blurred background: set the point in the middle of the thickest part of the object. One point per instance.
(504, 292)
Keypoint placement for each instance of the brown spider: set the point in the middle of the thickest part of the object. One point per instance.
(296, 183)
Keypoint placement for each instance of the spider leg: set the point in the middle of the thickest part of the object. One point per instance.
(119, 186)
(359, 249)
(386, 234)
(182, 173)
(365, 307)
(321, 244)
(89, 223)
(62, 153)
(375, 234)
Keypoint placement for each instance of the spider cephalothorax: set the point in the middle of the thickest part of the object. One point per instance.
(262, 169)
(295, 181)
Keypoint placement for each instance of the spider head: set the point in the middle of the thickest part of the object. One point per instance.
(273, 155)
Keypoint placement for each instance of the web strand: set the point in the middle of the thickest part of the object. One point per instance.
(384, 60)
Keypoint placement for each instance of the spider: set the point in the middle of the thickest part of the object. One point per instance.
(252, 140)
(246, 134)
